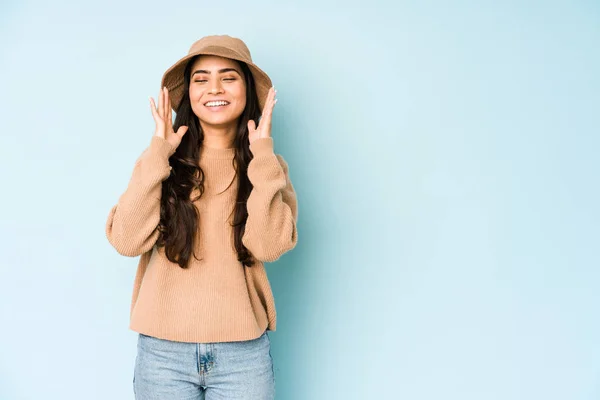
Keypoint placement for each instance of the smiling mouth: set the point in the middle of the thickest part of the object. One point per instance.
(216, 104)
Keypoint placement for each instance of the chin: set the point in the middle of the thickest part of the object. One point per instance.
(211, 120)
(219, 118)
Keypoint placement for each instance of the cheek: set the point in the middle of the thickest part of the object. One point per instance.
(194, 94)
(241, 96)
(242, 102)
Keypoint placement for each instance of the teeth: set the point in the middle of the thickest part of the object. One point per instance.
(216, 103)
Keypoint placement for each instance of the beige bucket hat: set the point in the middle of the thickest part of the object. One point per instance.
(216, 45)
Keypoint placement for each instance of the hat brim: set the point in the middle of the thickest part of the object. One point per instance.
(173, 78)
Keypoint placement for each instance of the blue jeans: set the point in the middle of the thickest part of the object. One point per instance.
(169, 370)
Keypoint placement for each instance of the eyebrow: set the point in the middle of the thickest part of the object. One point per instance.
(221, 71)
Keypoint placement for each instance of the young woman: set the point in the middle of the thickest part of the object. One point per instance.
(207, 204)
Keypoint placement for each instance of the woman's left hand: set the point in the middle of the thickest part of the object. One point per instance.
(264, 129)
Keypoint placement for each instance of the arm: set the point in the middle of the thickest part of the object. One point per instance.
(272, 207)
(132, 224)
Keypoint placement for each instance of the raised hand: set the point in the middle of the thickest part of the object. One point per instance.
(164, 119)
(264, 129)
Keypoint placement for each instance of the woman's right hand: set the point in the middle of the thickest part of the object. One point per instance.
(164, 119)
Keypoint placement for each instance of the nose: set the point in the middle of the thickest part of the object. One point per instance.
(215, 89)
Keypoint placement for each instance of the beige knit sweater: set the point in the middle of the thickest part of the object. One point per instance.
(216, 299)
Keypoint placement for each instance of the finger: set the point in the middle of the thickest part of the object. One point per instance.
(165, 102)
(182, 130)
(270, 102)
(266, 119)
(159, 109)
(265, 110)
(153, 108)
(251, 126)
(169, 109)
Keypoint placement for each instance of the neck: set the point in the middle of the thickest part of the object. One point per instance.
(219, 137)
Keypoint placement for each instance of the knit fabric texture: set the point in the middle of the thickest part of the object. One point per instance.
(216, 299)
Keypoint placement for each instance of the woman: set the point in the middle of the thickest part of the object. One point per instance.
(207, 204)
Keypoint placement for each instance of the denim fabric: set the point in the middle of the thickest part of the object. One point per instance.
(169, 370)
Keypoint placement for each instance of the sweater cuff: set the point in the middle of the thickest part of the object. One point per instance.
(262, 147)
(162, 147)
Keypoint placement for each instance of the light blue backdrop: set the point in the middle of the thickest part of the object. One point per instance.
(445, 157)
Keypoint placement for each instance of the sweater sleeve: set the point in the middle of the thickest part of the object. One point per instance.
(272, 207)
(132, 224)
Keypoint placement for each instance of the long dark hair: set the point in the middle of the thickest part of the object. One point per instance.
(178, 215)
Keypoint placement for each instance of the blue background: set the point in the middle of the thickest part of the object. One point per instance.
(445, 158)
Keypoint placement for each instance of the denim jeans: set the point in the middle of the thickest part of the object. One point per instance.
(169, 370)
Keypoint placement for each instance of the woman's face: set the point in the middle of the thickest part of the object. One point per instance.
(220, 79)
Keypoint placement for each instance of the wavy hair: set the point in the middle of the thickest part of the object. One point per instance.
(178, 224)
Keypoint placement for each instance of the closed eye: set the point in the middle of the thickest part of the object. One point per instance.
(204, 80)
